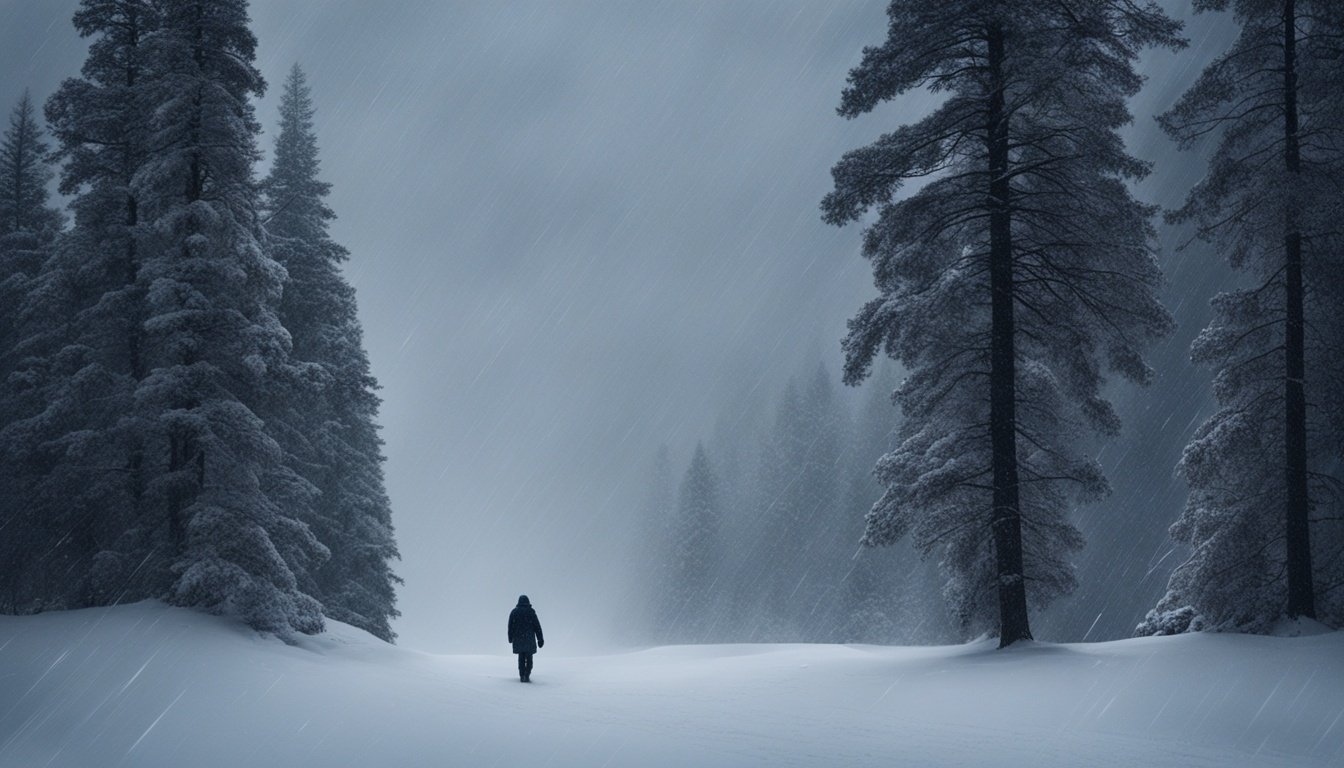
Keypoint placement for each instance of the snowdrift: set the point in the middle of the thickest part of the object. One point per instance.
(149, 685)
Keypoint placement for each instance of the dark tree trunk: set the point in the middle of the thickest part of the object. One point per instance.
(134, 347)
(183, 448)
(1301, 600)
(19, 151)
(176, 503)
(135, 330)
(130, 161)
(1006, 519)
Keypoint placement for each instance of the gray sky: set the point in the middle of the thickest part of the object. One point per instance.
(577, 229)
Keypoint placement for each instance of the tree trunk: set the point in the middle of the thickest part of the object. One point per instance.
(135, 322)
(1301, 600)
(20, 151)
(183, 449)
(176, 526)
(134, 347)
(1006, 519)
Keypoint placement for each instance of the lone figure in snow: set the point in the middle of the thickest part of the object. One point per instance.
(525, 634)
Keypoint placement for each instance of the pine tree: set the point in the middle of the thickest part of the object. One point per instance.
(28, 229)
(818, 554)
(1270, 201)
(649, 576)
(1008, 282)
(692, 595)
(28, 226)
(73, 442)
(326, 417)
(25, 173)
(773, 564)
(215, 345)
(785, 587)
(735, 443)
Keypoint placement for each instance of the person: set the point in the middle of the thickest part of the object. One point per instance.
(525, 634)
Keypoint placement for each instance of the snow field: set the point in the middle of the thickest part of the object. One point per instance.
(150, 685)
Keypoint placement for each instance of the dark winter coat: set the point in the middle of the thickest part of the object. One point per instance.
(524, 628)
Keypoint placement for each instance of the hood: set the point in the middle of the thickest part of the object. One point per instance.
(522, 601)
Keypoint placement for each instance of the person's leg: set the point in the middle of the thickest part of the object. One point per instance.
(522, 666)
(527, 671)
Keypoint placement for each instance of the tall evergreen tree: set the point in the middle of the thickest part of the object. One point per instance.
(785, 582)
(817, 550)
(1007, 283)
(215, 345)
(28, 228)
(28, 225)
(25, 173)
(735, 443)
(1270, 200)
(779, 516)
(649, 577)
(691, 597)
(73, 443)
(326, 417)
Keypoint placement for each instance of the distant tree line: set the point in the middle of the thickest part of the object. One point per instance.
(1014, 282)
(187, 409)
(757, 538)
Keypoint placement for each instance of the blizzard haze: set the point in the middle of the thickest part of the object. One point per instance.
(580, 230)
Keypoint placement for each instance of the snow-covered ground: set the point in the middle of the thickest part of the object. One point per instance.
(148, 685)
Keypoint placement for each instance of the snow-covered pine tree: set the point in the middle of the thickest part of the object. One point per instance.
(73, 440)
(215, 346)
(1264, 471)
(785, 586)
(1008, 283)
(24, 174)
(767, 575)
(817, 555)
(691, 597)
(28, 229)
(650, 564)
(325, 419)
(735, 444)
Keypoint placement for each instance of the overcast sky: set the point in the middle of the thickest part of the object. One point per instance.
(579, 229)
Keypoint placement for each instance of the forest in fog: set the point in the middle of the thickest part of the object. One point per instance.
(756, 538)
(945, 383)
(189, 411)
(1016, 282)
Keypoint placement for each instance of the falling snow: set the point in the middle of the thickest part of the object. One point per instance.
(579, 231)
